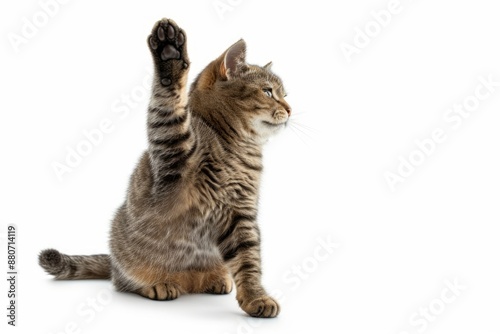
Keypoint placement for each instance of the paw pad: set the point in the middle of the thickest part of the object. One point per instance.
(167, 44)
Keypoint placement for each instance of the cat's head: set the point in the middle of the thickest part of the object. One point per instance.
(241, 98)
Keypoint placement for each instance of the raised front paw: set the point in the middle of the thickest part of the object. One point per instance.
(261, 307)
(167, 43)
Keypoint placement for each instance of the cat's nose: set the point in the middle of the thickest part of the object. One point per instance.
(289, 111)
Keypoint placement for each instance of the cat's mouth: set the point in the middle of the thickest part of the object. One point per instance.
(273, 125)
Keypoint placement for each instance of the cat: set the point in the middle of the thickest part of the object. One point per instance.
(188, 224)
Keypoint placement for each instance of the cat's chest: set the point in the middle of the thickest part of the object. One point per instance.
(237, 186)
(232, 193)
(226, 177)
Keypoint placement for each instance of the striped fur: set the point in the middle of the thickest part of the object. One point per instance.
(189, 223)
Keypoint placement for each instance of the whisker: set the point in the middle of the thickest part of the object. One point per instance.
(294, 126)
(305, 127)
(298, 136)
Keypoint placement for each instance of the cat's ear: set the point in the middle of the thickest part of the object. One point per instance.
(234, 60)
(268, 66)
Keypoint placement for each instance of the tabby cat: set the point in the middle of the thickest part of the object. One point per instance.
(188, 224)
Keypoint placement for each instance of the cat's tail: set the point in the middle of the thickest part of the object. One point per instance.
(64, 266)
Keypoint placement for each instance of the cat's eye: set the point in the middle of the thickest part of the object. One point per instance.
(268, 92)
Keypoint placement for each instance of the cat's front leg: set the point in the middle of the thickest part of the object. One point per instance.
(241, 252)
(172, 141)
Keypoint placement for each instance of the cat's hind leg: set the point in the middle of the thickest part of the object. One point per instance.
(161, 291)
(216, 280)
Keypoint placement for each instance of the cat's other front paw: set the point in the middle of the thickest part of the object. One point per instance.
(167, 43)
(261, 307)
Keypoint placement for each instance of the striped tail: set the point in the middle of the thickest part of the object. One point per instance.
(63, 266)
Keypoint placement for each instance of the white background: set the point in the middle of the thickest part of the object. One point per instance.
(324, 178)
